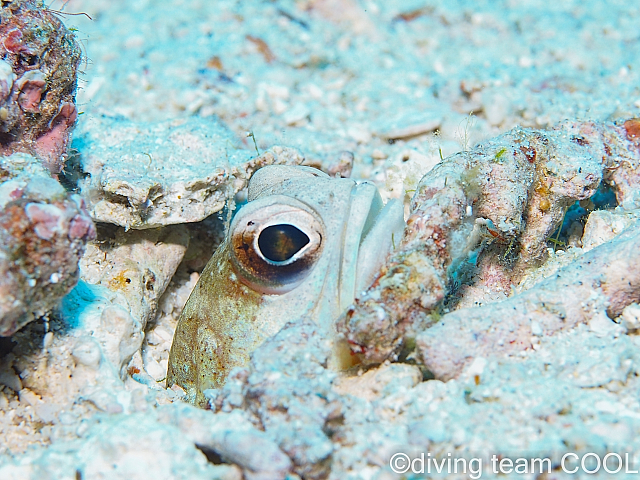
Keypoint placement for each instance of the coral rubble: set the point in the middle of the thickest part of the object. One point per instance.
(488, 214)
(43, 231)
(138, 265)
(287, 390)
(592, 290)
(140, 175)
(38, 75)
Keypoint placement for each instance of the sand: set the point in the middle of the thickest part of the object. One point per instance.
(399, 85)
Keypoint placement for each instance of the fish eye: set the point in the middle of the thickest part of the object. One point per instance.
(278, 243)
(275, 243)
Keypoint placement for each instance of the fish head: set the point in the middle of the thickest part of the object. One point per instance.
(303, 246)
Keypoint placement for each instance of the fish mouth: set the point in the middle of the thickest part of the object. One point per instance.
(370, 233)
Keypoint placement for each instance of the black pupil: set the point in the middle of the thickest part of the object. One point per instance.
(279, 243)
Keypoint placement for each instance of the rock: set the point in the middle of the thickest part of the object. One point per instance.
(603, 225)
(81, 361)
(38, 76)
(231, 436)
(630, 317)
(144, 175)
(120, 447)
(43, 231)
(600, 285)
(139, 265)
(287, 389)
(486, 214)
(8, 376)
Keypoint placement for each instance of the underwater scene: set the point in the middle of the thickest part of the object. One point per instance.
(319, 239)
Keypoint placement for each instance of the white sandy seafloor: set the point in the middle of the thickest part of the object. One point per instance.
(87, 401)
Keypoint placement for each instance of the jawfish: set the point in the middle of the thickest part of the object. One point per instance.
(305, 244)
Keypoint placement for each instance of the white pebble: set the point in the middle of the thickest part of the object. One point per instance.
(87, 352)
(48, 340)
(631, 317)
(536, 329)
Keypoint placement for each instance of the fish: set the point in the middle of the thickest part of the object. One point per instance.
(303, 246)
